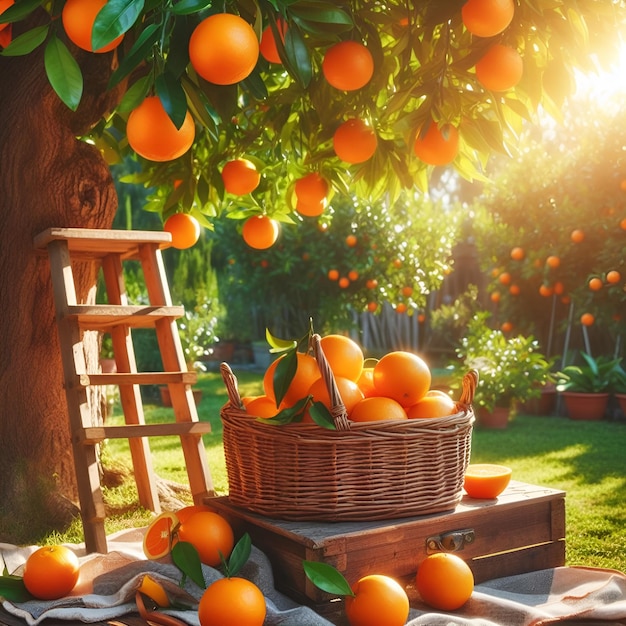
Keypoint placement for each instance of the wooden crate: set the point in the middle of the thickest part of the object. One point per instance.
(521, 531)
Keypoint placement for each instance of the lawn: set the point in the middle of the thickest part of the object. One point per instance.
(584, 459)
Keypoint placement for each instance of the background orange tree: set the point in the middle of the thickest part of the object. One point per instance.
(64, 111)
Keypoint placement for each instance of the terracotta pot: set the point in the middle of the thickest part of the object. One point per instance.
(496, 419)
(166, 399)
(621, 399)
(543, 405)
(585, 406)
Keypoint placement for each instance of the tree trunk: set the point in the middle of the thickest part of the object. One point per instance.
(47, 178)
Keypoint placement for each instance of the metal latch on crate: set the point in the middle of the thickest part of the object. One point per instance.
(450, 542)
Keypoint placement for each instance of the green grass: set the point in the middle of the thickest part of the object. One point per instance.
(584, 459)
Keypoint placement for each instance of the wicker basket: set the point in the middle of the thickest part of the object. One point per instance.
(362, 471)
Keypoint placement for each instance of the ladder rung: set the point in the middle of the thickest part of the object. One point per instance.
(103, 316)
(138, 378)
(97, 243)
(96, 434)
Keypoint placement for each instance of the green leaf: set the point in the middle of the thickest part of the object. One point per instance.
(18, 11)
(298, 58)
(63, 73)
(278, 345)
(26, 42)
(12, 588)
(327, 578)
(187, 560)
(173, 98)
(321, 416)
(186, 7)
(240, 554)
(284, 374)
(137, 54)
(288, 415)
(114, 19)
(135, 95)
(322, 12)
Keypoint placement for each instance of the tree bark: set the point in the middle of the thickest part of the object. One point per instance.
(47, 178)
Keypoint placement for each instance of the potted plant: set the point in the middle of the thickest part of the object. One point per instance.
(510, 370)
(620, 389)
(585, 388)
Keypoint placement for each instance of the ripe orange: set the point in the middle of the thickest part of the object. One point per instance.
(517, 254)
(577, 235)
(333, 274)
(260, 232)
(159, 536)
(262, 406)
(372, 283)
(152, 134)
(4, 5)
(344, 282)
(267, 46)
(351, 241)
(559, 288)
(444, 581)
(515, 290)
(307, 372)
(51, 572)
(377, 408)
(184, 228)
(505, 278)
(187, 511)
(240, 177)
(495, 296)
(485, 480)
(348, 65)
(546, 290)
(403, 376)
(344, 356)
(210, 534)
(437, 146)
(354, 141)
(553, 261)
(500, 69)
(622, 224)
(232, 602)
(613, 277)
(486, 18)
(506, 327)
(595, 284)
(432, 405)
(366, 379)
(311, 194)
(587, 319)
(223, 49)
(401, 307)
(353, 275)
(407, 291)
(78, 17)
(372, 306)
(349, 391)
(378, 601)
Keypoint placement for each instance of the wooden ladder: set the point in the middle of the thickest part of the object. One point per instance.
(110, 248)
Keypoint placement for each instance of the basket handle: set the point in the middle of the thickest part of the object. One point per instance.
(470, 382)
(230, 380)
(337, 407)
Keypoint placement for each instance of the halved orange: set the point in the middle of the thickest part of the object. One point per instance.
(486, 480)
(159, 536)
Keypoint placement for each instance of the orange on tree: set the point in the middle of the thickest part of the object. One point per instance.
(160, 535)
(260, 232)
(375, 408)
(506, 327)
(267, 45)
(351, 241)
(184, 228)
(486, 480)
(152, 134)
(348, 65)
(401, 307)
(437, 145)
(587, 319)
(378, 600)
(487, 18)
(517, 253)
(344, 356)
(344, 282)
(223, 49)
(500, 68)
(311, 194)
(371, 283)
(559, 288)
(444, 581)
(504, 278)
(240, 177)
(515, 290)
(353, 275)
(613, 277)
(622, 224)
(432, 405)
(333, 274)
(546, 290)
(372, 306)
(210, 534)
(577, 235)
(78, 17)
(51, 572)
(553, 261)
(595, 283)
(232, 601)
(355, 141)
(403, 376)
(307, 372)
(4, 5)
(494, 296)
(349, 391)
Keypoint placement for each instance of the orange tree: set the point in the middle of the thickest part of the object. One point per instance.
(65, 107)
(554, 232)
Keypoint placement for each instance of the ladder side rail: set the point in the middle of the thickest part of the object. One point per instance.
(173, 357)
(130, 394)
(74, 364)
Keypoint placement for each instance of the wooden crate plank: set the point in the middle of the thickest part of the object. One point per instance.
(137, 378)
(104, 317)
(96, 434)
